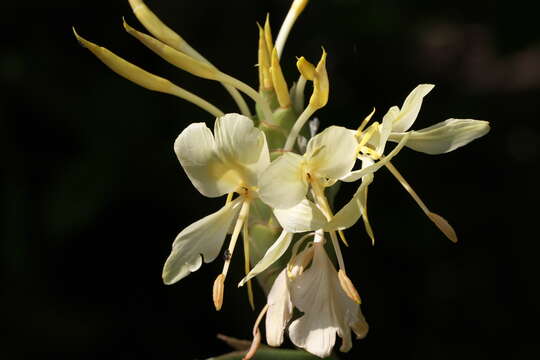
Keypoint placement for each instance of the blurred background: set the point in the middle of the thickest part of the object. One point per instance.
(92, 194)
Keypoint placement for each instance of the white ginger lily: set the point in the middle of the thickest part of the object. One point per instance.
(318, 293)
(440, 138)
(228, 161)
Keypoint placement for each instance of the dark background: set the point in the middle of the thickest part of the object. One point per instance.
(92, 193)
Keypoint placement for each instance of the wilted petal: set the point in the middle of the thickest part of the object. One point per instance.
(445, 136)
(202, 238)
(403, 120)
(195, 149)
(273, 253)
(332, 153)
(279, 310)
(304, 216)
(283, 184)
(327, 309)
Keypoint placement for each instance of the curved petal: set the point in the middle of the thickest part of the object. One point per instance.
(332, 153)
(283, 184)
(279, 310)
(273, 253)
(202, 238)
(349, 214)
(239, 141)
(445, 136)
(410, 109)
(304, 216)
(357, 174)
(195, 149)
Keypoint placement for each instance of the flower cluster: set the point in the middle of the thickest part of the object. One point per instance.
(279, 175)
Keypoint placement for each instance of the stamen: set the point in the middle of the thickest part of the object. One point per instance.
(348, 287)
(217, 291)
(244, 212)
(337, 250)
(438, 220)
(298, 125)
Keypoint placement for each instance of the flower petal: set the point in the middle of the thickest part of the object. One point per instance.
(195, 149)
(332, 153)
(279, 310)
(445, 136)
(403, 120)
(283, 184)
(239, 142)
(357, 174)
(327, 309)
(273, 253)
(304, 216)
(204, 237)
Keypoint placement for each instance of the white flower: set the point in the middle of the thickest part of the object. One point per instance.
(329, 156)
(318, 294)
(226, 162)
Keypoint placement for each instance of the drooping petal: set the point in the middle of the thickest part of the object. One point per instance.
(202, 238)
(332, 153)
(273, 253)
(357, 174)
(445, 136)
(279, 310)
(195, 149)
(283, 184)
(327, 309)
(238, 140)
(304, 216)
(403, 120)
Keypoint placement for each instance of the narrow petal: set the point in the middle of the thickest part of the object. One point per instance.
(202, 238)
(304, 216)
(332, 153)
(445, 136)
(241, 144)
(273, 253)
(349, 214)
(357, 174)
(403, 120)
(283, 184)
(195, 149)
(279, 310)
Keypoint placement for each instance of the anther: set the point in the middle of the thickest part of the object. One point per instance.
(348, 287)
(217, 292)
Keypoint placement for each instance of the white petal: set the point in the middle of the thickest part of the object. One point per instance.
(273, 253)
(204, 237)
(240, 143)
(332, 153)
(279, 310)
(349, 214)
(283, 184)
(304, 216)
(411, 107)
(445, 136)
(357, 174)
(327, 309)
(381, 135)
(195, 149)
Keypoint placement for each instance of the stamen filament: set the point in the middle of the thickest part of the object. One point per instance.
(244, 212)
(296, 9)
(299, 93)
(438, 220)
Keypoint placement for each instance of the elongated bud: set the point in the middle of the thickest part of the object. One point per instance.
(348, 287)
(217, 291)
(268, 34)
(173, 56)
(265, 78)
(280, 85)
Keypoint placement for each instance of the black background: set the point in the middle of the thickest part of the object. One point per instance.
(92, 193)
